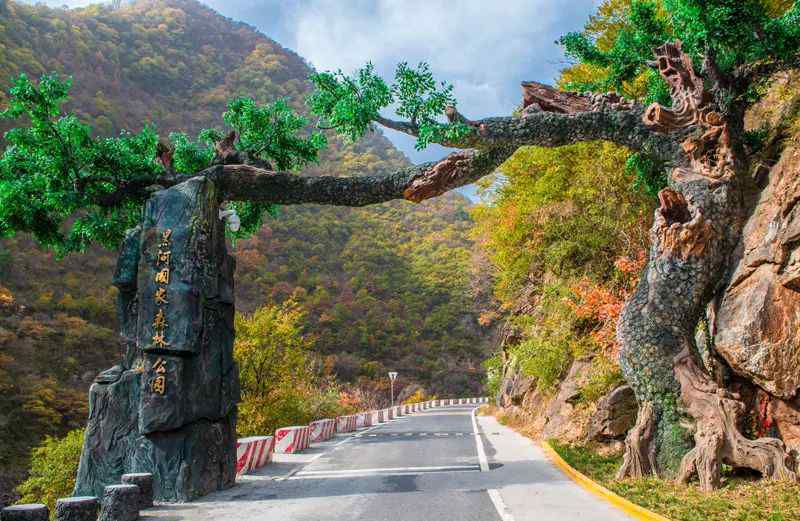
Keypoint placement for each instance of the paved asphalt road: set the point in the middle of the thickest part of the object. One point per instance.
(422, 467)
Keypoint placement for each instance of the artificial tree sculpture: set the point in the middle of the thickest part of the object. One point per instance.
(54, 177)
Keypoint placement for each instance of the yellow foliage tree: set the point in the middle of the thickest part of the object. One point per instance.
(280, 381)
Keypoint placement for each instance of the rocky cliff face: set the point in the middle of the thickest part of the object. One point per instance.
(755, 325)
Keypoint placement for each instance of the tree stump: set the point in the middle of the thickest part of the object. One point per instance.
(81, 508)
(143, 480)
(120, 503)
(30, 512)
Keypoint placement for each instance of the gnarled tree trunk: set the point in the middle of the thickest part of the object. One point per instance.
(696, 228)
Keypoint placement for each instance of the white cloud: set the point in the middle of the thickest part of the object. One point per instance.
(484, 48)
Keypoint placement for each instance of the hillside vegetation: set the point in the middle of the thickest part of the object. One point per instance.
(378, 288)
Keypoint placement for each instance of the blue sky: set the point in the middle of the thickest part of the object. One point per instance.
(484, 48)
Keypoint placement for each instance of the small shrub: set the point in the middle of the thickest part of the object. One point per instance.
(418, 396)
(605, 375)
(54, 465)
(544, 359)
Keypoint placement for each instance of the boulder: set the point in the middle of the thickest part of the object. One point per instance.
(756, 326)
(615, 414)
(561, 423)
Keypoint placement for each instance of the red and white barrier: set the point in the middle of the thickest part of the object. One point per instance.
(346, 423)
(375, 417)
(253, 453)
(389, 413)
(321, 430)
(244, 453)
(289, 440)
(363, 420)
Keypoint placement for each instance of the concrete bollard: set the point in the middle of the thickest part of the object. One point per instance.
(120, 503)
(81, 508)
(29, 512)
(374, 417)
(322, 430)
(143, 480)
(253, 453)
(346, 423)
(289, 440)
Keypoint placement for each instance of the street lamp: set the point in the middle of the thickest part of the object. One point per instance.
(392, 378)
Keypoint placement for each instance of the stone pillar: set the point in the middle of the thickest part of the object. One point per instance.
(169, 407)
(29, 512)
(120, 503)
(144, 481)
(81, 508)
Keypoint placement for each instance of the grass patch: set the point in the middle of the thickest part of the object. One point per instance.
(598, 467)
(739, 499)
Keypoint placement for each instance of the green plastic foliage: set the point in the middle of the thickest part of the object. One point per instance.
(53, 173)
(649, 173)
(351, 104)
(56, 178)
(270, 133)
(189, 156)
(347, 104)
(736, 32)
(422, 102)
(643, 31)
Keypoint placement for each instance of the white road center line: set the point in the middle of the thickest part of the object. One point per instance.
(499, 505)
(479, 443)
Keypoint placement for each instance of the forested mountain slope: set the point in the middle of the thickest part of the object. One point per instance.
(384, 287)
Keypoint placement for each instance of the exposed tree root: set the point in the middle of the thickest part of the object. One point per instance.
(717, 437)
(639, 459)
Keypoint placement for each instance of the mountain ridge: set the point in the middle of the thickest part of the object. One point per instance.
(380, 285)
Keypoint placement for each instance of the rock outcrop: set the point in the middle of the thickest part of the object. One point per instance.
(615, 415)
(757, 324)
(169, 408)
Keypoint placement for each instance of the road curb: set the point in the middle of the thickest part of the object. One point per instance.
(632, 509)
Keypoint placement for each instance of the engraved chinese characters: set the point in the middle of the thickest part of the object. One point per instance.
(158, 384)
(160, 295)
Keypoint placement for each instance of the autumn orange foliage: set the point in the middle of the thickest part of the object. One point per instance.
(602, 303)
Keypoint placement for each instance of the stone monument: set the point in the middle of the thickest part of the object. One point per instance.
(169, 407)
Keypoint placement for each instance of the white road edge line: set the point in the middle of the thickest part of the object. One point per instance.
(479, 443)
(499, 504)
